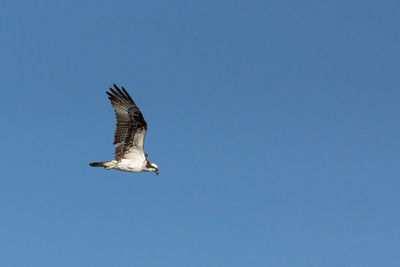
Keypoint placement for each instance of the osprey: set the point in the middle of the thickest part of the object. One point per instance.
(129, 135)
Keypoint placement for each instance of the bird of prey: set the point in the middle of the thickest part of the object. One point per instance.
(129, 136)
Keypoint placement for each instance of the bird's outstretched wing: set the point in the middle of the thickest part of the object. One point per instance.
(131, 125)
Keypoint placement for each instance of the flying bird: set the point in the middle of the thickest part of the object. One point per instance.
(129, 135)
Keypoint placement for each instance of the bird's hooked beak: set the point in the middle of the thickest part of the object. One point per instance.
(156, 171)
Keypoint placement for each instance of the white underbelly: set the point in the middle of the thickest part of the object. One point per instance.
(130, 165)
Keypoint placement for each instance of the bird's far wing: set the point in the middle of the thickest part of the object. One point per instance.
(131, 125)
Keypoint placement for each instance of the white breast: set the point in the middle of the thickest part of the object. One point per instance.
(133, 161)
(130, 165)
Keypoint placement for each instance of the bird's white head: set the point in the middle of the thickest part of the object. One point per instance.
(152, 167)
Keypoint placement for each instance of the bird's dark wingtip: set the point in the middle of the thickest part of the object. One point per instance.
(126, 94)
(118, 94)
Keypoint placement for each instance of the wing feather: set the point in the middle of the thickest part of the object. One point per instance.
(131, 126)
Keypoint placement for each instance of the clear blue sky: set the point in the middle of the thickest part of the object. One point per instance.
(275, 125)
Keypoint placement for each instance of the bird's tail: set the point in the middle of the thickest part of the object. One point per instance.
(105, 164)
(97, 164)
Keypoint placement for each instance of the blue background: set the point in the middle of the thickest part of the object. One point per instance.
(275, 125)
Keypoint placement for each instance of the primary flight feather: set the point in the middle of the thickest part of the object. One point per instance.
(129, 135)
